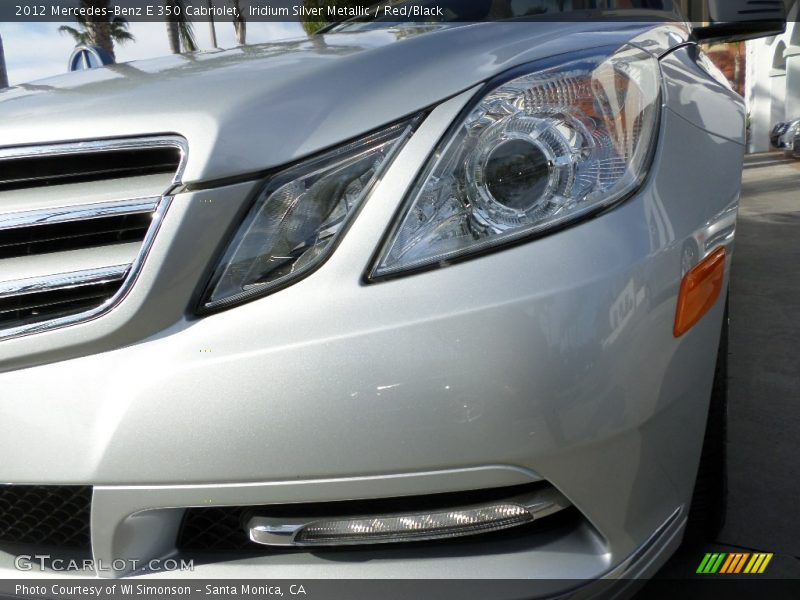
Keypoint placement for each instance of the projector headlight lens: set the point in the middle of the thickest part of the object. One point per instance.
(515, 171)
(535, 153)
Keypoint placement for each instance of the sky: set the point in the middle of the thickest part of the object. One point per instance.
(37, 50)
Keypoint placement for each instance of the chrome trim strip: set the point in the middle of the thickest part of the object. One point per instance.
(284, 532)
(62, 281)
(78, 212)
(103, 146)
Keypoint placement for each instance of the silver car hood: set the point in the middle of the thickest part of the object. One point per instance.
(255, 107)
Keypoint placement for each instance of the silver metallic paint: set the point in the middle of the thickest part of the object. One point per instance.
(213, 99)
(584, 386)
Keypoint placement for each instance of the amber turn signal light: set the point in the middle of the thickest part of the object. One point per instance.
(700, 289)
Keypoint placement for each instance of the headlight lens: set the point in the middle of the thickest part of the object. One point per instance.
(296, 221)
(535, 153)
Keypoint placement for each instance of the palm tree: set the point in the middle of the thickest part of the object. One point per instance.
(100, 33)
(211, 28)
(180, 32)
(3, 72)
(311, 24)
(239, 24)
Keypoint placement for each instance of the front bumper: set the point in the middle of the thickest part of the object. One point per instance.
(550, 361)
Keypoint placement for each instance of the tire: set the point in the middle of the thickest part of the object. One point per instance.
(709, 501)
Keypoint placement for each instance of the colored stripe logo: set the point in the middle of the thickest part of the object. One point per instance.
(734, 563)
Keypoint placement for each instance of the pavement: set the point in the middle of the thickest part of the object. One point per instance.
(763, 512)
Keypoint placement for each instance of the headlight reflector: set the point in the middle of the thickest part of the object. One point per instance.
(299, 216)
(535, 153)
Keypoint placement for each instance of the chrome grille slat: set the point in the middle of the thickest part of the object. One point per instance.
(81, 212)
(86, 147)
(56, 257)
(86, 259)
(99, 293)
(62, 281)
(54, 304)
(27, 318)
(47, 238)
(105, 173)
(32, 166)
(57, 197)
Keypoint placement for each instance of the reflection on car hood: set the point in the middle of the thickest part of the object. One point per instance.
(255, 107)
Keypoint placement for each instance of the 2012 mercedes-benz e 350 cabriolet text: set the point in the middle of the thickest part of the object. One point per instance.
(397, 300)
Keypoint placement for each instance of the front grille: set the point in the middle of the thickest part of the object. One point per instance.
(76, 221)
(215, 529)
(44, 515)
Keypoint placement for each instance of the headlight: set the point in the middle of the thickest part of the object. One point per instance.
(535, 153)
(299, 216)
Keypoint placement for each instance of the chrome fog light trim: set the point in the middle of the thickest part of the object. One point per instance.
(442, 523)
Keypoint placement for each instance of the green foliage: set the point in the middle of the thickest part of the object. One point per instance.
(311, 25)
(82, 35)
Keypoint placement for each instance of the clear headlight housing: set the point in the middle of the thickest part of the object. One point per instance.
(537, 152)
(297, 219)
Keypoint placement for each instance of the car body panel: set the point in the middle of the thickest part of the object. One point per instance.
(786, 140)
(701, 96)
(776, 133)
(237, 123)
(334, 378)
